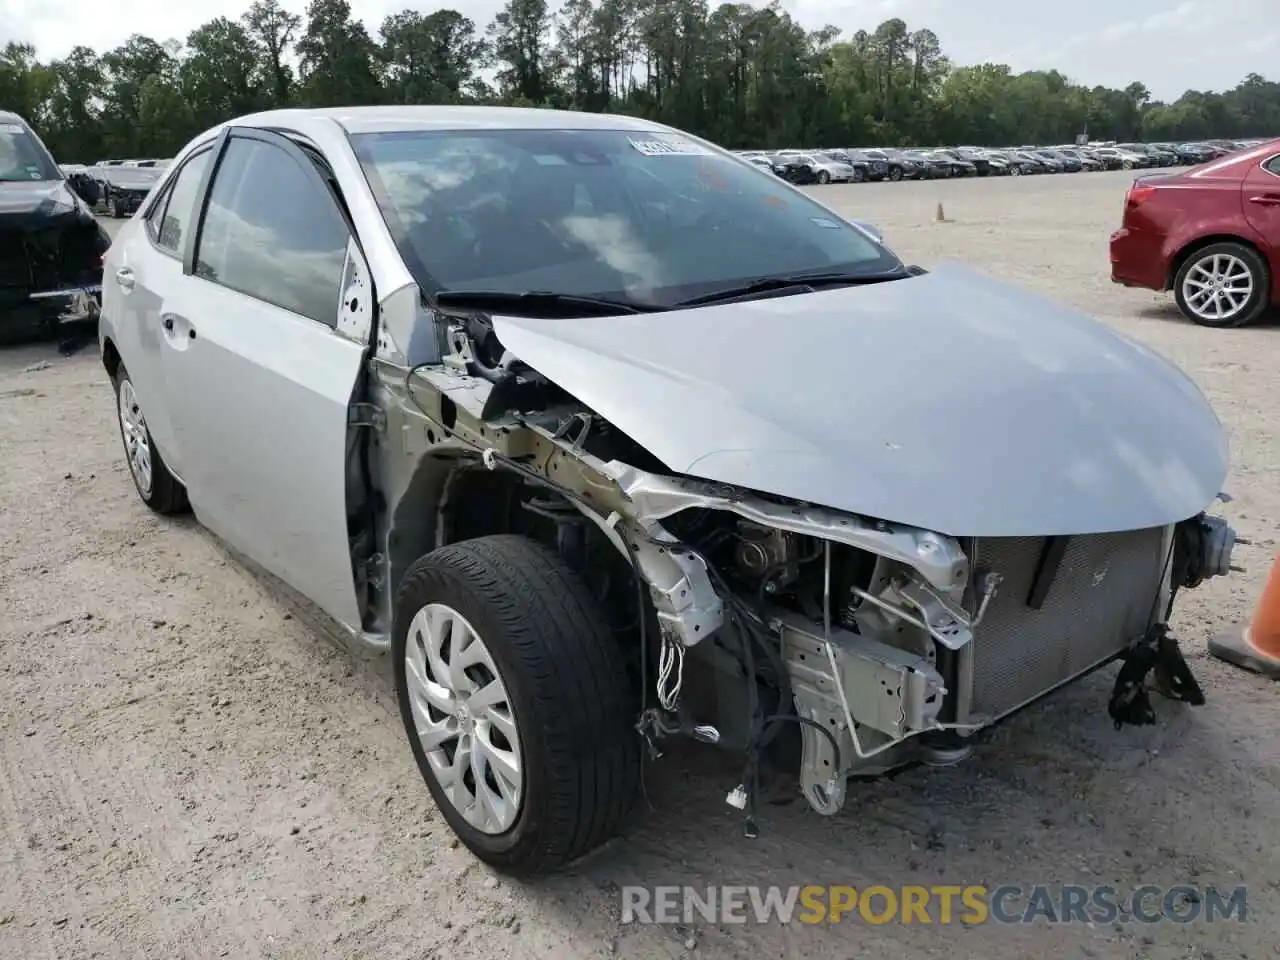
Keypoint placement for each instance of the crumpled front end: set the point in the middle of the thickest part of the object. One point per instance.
(895, 643)
(777, 604)
(51, 251)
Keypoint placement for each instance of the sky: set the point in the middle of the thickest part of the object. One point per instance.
(1170, 45)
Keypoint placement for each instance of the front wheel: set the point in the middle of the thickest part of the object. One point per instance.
(514, 693)
(824, 177)
(859, 175)
(159, 489)
(1223, 285)
(895, 174)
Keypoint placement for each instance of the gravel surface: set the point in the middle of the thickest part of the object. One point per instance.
(193, 768)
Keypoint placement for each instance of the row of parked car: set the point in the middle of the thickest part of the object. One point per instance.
(118, 186)
(860, 164)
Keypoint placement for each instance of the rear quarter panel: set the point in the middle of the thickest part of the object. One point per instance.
(1186, 212)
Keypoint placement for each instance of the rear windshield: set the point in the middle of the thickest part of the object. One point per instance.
(22, 157)
(649, 217)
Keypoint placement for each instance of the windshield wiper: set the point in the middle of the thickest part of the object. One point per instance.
(803, 281)
(566, 304)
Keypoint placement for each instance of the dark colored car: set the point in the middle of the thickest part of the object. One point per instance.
(1106, 160)
(1191, 154)
(794, 169)
(1068, 163)
(959, 167)
(51, 246)
(1087, 162)
(1043, 164)
(1212, 235)
(1156, 156)
(1013, 164)
(876, 167)
(901, 165)
(931, 167)
(972, 155)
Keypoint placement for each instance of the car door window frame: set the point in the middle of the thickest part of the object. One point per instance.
(1272, 165)
(165, 194)
(310, 171)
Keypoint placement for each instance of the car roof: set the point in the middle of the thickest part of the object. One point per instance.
(9, 117)
(388, 119)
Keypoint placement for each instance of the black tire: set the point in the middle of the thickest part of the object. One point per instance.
(895, 174)
(859, 175)
(824, 177)
(167, 495)
(1257, 304)
(1126, 165)
(566, 681)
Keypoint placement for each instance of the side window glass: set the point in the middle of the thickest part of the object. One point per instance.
(271, 232)
(1273, 165)
(155, 219)
(177, 211)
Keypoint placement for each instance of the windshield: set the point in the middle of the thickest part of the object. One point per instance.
(22, 157)
(640, 216)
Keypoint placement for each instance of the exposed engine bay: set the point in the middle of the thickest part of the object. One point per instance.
(763, 623)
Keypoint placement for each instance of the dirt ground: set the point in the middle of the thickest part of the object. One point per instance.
(192, 768)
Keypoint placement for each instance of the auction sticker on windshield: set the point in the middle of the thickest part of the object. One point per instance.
(669, 147)
(11, 128)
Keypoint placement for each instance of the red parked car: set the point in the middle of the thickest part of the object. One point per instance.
(1210, 233)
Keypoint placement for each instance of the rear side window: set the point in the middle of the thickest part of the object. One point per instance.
(1273, 165)
(176, 212)
(272, 232)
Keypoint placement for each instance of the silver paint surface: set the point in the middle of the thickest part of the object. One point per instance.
(947, 401)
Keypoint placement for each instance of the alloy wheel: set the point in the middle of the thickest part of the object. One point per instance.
(137, 441)
(1218, 287)
(464, 718)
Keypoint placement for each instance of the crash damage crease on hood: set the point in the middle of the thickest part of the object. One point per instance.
(947, 401)
(39, 204)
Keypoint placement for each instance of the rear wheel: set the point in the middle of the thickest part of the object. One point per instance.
(514, 693)
(159, 489)
(859, 175)
(1223, 285)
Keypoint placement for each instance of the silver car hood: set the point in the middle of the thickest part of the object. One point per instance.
(946, 401)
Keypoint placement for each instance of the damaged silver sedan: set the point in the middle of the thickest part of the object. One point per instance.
(609, 437)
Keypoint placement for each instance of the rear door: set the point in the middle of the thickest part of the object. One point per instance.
(1261, 198)
(258, 378)
(143, 273)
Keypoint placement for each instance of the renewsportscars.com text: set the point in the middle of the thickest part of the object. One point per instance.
(941, 904)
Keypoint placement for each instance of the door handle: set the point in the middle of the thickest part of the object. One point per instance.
(1267, 199)
(124, 277)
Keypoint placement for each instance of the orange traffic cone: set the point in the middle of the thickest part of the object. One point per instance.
(1257, 646)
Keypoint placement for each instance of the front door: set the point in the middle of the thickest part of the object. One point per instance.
(258, 379)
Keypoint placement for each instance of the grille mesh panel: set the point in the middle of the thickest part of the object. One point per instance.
(1099, 601)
